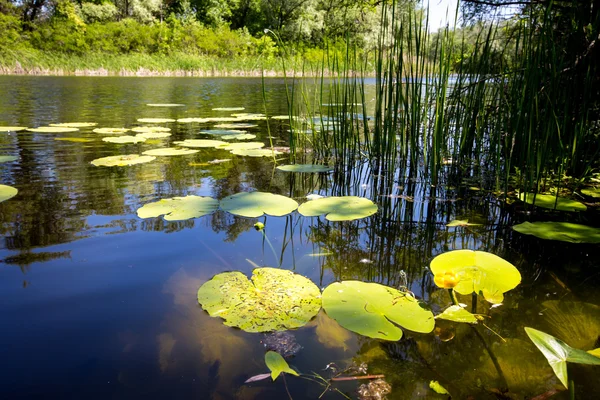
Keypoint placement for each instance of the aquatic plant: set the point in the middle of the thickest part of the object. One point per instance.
(256, 204)
(179, 208)
(7, 192)
(339, 208)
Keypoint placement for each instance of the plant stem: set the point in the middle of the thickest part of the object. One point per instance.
(571, 390)
(453, 297)
(356, 378)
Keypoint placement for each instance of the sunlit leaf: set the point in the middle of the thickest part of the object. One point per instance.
(12, 128)
(200, 143)
(478, 271)
(228, 109)
(239, 136)
(436, 387)
(110, 131)
(238, 125)
(255, 152)
(458, 222)
(154, 135)
(222, 132)
(558, 353)
(273, 300)
(74, 139)
(242, 146)
(179, 208)
(155, 120)
(552, 202)
(7, 192)
(165, 105)
(592, 192)
(146, 129)
(373, 310)
(562, 231)
(277, 365)
(53, 129)
(595, 352)
(121, 161)
(191, 120)
(305, 168)
(4, 159)
(75, 124)
(457, 314)
(169, 151)
(345, 208)
(255, 204)
(124, 139)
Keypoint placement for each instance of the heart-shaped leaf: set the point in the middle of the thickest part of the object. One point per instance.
(277, 365)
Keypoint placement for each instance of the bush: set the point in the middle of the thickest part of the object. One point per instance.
(11, 29)
(91, 13)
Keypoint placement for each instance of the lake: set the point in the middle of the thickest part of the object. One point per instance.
(99, 303)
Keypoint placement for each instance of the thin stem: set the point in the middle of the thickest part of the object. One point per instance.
(571, 389)
(473, 303)
(286, 387)
(453, 296)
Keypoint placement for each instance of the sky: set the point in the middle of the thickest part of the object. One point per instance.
(437, 12)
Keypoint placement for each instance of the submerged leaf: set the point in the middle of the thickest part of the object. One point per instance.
(372, 310)
(121, 161)
(201, 143)
(190, 120)
(592, 192)
(277, 365)
(257, 378)
(169, 151)
(457, 314)
(179, 208)
(562, 231)
(7, 192)
(345, 208)
(552, 202)
(124, 139)
(273, 300)
(305, 168)
(255, 204)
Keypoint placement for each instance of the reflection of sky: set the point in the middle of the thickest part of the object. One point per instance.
(440, 11)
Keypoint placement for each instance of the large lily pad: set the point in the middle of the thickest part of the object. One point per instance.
(255, 152)
(12, 128)
(345, 208)
(75, 124)
(169, 151)
(124, 139)
(155, 120)
(73, 139)
(256, 204)
(110, 131)
(305, 168)
(273, 300)
(201, 143)
(562, 231)
(478, 271)
(4, 159)
(7, 192)
(375, 310)
(179, 208)
(121, 161)
(552, 202)
(53, 129)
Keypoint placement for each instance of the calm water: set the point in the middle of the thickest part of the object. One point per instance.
(97, 303)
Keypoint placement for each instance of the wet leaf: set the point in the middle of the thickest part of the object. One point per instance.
(558, 353)
(436, 387)
(255, 204)
(124, 139)
(179, 208)
(478, 271)
(200, 143)
(273, 300)
(165, 105)
(305, 168)
(255, 152)
(121, 161)
(228, 109)
(74, 139)
(75, 124)
(457, 314)
(110, 131)
(552, 202)
(277, 365)
(153, 135)
(53, 129)
(169, 151)
(345, 208)
(155, 120)
(373, 310)
(4, 159)
(12, 128)
(458, 222)
(562, 231)
(7, 192)
(257, 378)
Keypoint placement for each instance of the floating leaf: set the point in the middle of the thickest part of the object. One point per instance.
(200, 143)
(147, 129)
(255, 204)
(242, 146)
(74, 139)
(592, 192)
(305, 168)
(239, 125)
(110, 131)
(165, 105)
(124, 139)
(552, 202)
(179, 208)
(562, 231)
(221, 119)
(12, 128)
(478, 271)
(4, 159)
(75, 124)
(558, 353)
(274, 299)
(53, 129)
(345, 208)
(222, 132)
(436, 387)
(240, 136)
(255, 152)
(458, 222)
(169, 151)
(228, 109)
(190, 120)
(284, 117)
(372, 310)
(277, 365)
(155, 120)
(154, 135)
(121, 161)
(7, 192)
(457, 314)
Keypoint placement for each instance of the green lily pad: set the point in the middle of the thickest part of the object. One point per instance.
(562, 231)
(148, 129)
(4, 159)
(255, 204)
(592, 192)
(194, 119)
(550, 201)
(305, 168)
(239, 125)
(165, 105)
(121, 161)
(73, 139)
(7, 192)
(457, 222)
(52, 129)
(277, 365)
(373, 310)
(457, 314)
(345, 208)
(75, 124)
(222, 132)
(154, 135)
(124, 139)
(155, 120)
(179, 208)
(274, 299)
(255, 152)
(478, 271)
(202, 143)
(169, 151)
(558, 353)
(12, 128)
(110, 131)
(240, 136)
(228, 109)
(242, 146)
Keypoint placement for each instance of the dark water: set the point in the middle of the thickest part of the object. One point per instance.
(97, 303)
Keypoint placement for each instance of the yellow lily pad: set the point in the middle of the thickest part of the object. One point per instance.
(12, 128)
(169, 151)
(121, 161)
(53, 129)
(155, 120)
(75, 124)
(124, 139)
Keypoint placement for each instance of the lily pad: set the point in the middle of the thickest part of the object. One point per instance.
(592, 192)
(12, 128)
(124, 139)
(375, 310)
(345, 208)
(239, 136)
(154, 135)
(255, 152)
(75, 124)
(121, 161)
(4, 159)
(179, 208)
(221, 119)
(256, 204)
(155, 120)
(457, 222)
(148, 129)
(222, 132)
(552, 202)
(277, 365)
(193, 120)
(169, 151)
(165, 105)
(305, 168)
(478, 271)
(242, 146)
(273, 300)
(562, 231)
(249, 115)
(239, 125)
(53, 129)
(457, 314)
(110, 131)
(7, 192)
(74, 139)
(202, 143)
(228, 109)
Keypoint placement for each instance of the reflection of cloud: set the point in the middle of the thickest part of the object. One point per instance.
(166, 342)
(128, 339)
